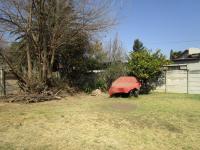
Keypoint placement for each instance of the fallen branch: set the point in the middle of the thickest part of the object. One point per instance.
(30, 98)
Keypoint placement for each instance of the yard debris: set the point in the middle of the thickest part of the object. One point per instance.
(46, 95)
(32, 98)
(96, 92)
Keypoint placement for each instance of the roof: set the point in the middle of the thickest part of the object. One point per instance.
(172, 65)
(189, 54)
(175, 67)
(184, 59)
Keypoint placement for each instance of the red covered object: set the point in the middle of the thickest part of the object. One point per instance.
(124, 84)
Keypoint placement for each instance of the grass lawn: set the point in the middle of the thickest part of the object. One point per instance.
(151, 122)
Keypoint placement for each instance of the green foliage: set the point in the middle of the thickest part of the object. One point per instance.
(78, 59)
(116, 65)
(146, 66)
(102, 80)
(171, 54)
(114, 71)
(96, 56)
(138, 45)
(87, 88)
(175, 54)
(101, 84)
(111, 65)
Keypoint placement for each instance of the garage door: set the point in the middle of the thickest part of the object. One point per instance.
(176, 81)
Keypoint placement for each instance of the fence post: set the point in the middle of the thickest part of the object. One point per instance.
(187, 81)
(2, 83)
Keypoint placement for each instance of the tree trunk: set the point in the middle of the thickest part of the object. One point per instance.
(28, 47)
(52, 62)
(44, 66)
(40, 65)
(29, 64)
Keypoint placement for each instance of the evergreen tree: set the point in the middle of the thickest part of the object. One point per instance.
(171, 54)
(138, 45)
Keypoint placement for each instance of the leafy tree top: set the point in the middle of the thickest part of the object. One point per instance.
(147, 66)
(175, 54)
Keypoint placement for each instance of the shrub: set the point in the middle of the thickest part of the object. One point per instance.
(146, 66)
(114, 71)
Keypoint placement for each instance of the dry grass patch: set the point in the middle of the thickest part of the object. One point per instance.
(153, 122)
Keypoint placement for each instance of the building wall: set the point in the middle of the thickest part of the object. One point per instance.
(194, 82)
(176, 81)
(182, 81)
(191, 64)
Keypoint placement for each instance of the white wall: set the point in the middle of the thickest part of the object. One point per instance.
(176, 81)
(194, 82)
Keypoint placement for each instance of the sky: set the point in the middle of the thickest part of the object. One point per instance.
(159, 24)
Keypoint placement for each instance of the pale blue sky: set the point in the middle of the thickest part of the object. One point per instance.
(164, 24)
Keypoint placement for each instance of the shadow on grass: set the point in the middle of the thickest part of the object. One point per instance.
(121, 95)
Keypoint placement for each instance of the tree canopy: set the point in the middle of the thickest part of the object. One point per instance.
(49, 32)
(175, 54)
(146, 66)
(138, 45)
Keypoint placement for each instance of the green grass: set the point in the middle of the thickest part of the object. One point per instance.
(151, 122)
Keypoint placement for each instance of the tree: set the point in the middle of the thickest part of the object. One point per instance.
(138, 45)
(115, 51)
(146, 66)
(3, 44)
(117, 63)
(47, 28)
(96, 56)
(171, 54)
(175, 54)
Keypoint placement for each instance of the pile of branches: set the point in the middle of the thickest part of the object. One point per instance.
(33, 98)
(30, 98)
(45, 95)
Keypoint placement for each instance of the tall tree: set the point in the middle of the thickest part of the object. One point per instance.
(117, 62)
(138, 45)
(116, 52)
(171, 54)
(44, 27)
